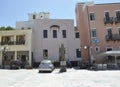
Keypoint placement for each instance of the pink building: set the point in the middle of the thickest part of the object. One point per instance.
(99, 26)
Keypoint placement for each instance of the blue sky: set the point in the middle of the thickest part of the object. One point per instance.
(17, 10)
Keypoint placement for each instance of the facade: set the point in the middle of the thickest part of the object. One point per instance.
(15, 45)
(49, 34)
(99, 26)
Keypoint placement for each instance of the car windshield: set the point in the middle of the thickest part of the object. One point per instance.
(45, 62)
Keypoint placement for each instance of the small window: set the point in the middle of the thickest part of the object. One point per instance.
(78, 53)
(92, 16)
(93, 33)
(77, 35)
(34, 17)
(97, 49)
(45, 35)
(109, 48)
(45, 53)
(22, 28)
(64, 33)
(29, 27)
(54, 33)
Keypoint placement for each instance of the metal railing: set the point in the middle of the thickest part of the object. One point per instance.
(117, 20)
(111, 20)
(13, 43)
(108, 20)
(113, 37)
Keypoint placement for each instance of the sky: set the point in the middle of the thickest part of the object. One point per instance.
(17, 10)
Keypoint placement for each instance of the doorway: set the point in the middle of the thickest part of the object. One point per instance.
(23, 58)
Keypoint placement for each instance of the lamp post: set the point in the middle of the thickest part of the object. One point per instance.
(89, 54)
(4, 55)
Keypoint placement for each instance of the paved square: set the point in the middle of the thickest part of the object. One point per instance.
(71, 78)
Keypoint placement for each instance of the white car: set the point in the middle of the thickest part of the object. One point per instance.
(46, 65)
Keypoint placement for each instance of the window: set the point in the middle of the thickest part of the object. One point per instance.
(109, 48)
(97, 49)
(54, 33)
(29, 27)
(107, 17)
(93, 33)
(6, 39)
(20, 39)
(77, 35)
(22, 28)
(64, 33)
(109, 31)
(118, 15)
(78, 53)
(92, 16)
(45, 53)
(119, 31)
(34, 17)
(45, 34)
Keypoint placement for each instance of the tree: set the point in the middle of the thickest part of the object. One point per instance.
(6, 28)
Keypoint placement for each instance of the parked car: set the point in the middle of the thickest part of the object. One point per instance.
(15, 64)
(46, 66)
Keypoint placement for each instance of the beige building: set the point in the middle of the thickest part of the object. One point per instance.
(99, 26)
(15, 45)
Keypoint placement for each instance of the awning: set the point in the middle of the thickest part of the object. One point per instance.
(114, 53)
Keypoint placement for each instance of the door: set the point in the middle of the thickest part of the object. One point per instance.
(23, 58)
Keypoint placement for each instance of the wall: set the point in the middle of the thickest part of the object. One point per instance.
(53, 44)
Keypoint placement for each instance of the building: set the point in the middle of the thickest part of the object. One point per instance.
(31, 18)
(99, 26)
(48, 34)
(15, 45)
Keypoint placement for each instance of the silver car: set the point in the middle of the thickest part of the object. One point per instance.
(46, 65)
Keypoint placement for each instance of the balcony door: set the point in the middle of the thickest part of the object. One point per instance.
(109, 33)
(107, 16)
(118, 15)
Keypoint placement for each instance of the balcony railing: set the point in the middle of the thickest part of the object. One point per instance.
(111, 20)
(13, 43)
(108, 20)
(113, 37)
(117, 20)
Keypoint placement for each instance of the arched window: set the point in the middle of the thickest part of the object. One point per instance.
(54, 26)
(54, 29)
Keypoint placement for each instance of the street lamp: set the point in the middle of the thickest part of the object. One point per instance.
(4, 55)
(89, 54)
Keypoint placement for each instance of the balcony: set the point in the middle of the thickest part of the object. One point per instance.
(13, 43)
(7, 43)
(117, 20)
(108, 20)
(20, 43)
(113, 37)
